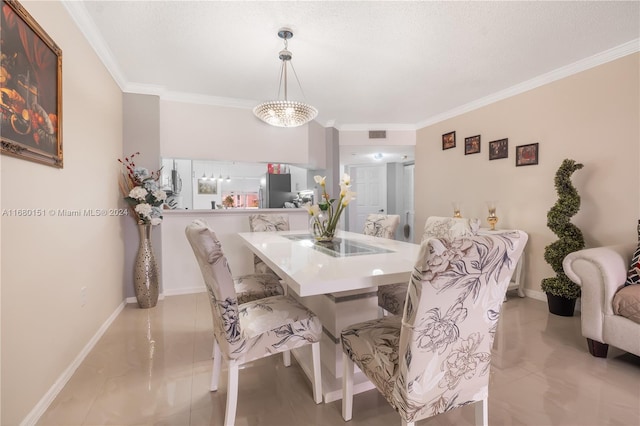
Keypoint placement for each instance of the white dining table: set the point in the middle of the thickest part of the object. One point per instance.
(353, 261)
(338, 282)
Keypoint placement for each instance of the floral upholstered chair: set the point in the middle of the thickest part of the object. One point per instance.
(391, 297)
(253, 330)
(266, 223)
(382, 225)
(437, 355)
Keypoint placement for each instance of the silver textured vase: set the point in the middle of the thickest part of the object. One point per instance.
(146, 271)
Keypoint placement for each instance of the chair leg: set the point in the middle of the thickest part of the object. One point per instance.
(215, 370)
(347, 387)
(286, 358)
(482, 412)
(317, 372)
(405, 423)
(232, 395)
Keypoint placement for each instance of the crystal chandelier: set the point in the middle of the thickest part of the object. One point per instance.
(285, 113)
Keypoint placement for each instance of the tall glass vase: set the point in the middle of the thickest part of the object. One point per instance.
(146, 271)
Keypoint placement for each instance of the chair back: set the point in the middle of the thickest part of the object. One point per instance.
(381, 225)
(450, 319)
(449, 227)
(219, 282)
(268, 222)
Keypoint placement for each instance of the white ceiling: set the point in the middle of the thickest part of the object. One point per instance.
(383, 65)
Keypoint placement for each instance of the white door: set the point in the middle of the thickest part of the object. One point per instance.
(370, 184)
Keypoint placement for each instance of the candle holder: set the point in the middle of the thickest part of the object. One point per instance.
(456, 210)
(492, 219)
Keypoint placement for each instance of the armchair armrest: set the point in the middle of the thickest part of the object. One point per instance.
(600, 272)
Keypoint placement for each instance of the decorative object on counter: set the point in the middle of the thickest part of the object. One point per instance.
(449, 140)
(142, 192)
(561, 291)
(456, 209)
(228, 201)
(492, 219)
(324, 215)
(285, 113)
(527, 155)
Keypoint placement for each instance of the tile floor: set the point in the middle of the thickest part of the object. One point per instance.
(152, 367)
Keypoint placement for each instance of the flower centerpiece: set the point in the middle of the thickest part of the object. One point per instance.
(325, 215)
(141, 190)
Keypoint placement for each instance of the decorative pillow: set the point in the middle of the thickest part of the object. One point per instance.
(626, 303)
(633, 276)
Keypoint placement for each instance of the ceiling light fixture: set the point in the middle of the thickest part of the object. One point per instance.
(285, 113)
(220, 177)
(377, 156)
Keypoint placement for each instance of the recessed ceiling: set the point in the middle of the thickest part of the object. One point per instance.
(377, 65)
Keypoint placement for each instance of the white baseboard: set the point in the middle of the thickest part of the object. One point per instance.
(542, 296)
(187, 290)
(37, 411)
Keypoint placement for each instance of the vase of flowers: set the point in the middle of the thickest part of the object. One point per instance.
(326, 214)
(145, 198)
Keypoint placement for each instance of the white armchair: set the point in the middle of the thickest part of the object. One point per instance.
(601, 272)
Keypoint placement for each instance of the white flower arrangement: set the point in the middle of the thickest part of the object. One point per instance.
(141, 191)
(325, 215)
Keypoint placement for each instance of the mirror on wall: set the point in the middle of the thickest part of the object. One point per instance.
(205, 184)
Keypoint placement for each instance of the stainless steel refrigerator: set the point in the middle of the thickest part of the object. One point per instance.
(276, 192)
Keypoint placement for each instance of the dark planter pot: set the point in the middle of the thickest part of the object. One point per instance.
(561, 305)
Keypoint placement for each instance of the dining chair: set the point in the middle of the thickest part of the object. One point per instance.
(391, 297)
(436, 356)
(381, 225)
(253, 330)
(264, 223)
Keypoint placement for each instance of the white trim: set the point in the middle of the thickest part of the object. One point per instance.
(87, 27)
(542, 296)
(42, 405)
(187, 290)
(85, 24)
(133, 299)
(612, 54)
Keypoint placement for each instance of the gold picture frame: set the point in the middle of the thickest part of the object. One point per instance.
(31, 89)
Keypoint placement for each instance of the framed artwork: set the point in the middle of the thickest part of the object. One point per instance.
(31, 88)
(207, 186)
(472, 145)
(527, 155)
(449, 140)
(499, 149)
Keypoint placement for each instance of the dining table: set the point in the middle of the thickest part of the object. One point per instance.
(338, 281)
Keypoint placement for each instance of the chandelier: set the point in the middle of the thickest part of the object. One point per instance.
(285, 113)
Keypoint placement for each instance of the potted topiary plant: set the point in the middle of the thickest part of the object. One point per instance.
(561, 291)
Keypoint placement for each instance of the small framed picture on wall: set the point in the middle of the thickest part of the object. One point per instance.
(207, 187)
(472, 145)
(499, 149)
(527, 155)
(449, 140)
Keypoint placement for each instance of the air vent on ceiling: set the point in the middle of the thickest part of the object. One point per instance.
(377, 134)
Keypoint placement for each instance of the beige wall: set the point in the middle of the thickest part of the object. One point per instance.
(47, 260)
(591, 117)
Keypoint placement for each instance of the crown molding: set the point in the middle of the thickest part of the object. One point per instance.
(79, 14)
(376, 126)
(612, 54)
(87, 27)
